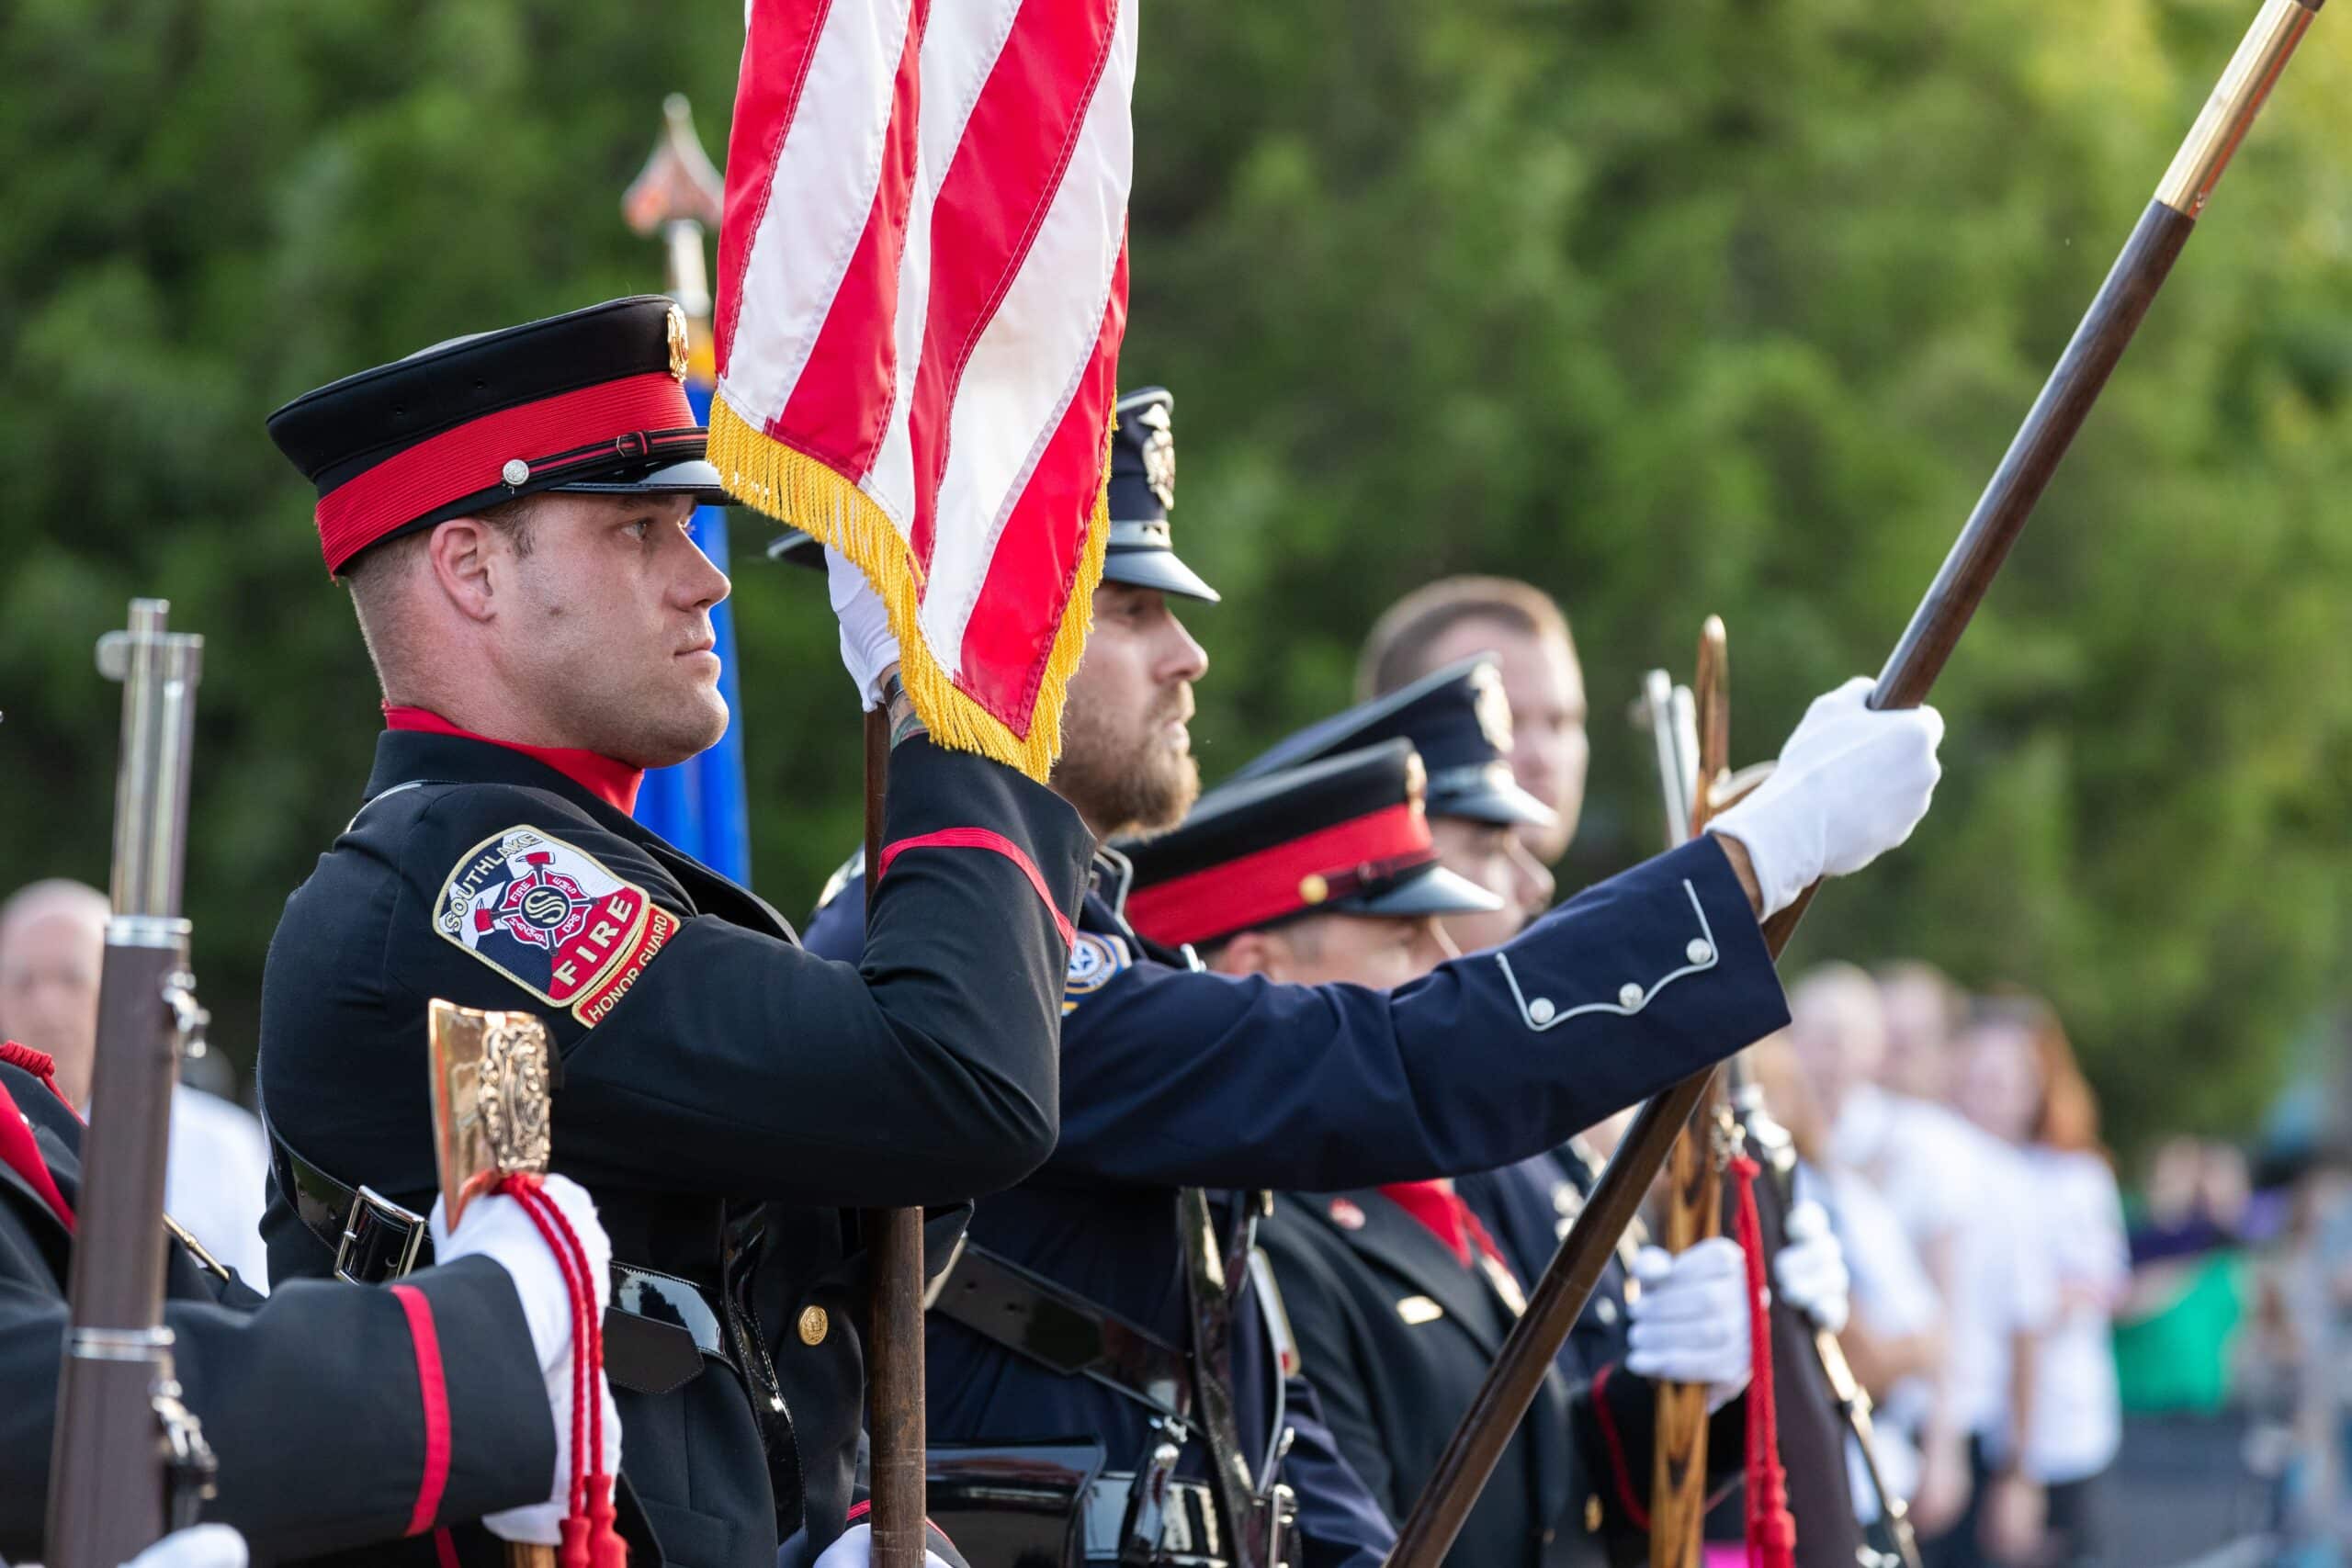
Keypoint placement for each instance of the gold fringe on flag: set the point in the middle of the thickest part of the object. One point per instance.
(793, 488)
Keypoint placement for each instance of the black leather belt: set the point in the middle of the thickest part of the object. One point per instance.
(658, 1329)
(1061, 1330)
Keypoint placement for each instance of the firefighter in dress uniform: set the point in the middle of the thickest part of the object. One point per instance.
(1176, 1081)
(1694, 1304)
(510, 513)
(337, 1417)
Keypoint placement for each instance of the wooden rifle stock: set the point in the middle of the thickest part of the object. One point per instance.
(129, 1462)
(893, 1238)
(2000, 515)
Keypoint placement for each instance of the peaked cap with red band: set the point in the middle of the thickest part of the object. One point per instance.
(592, 401)
(1459, 720)
(1348, 835)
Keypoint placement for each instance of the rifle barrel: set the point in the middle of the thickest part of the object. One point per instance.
(110, 1477)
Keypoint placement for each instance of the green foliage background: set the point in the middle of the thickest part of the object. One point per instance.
(1729, 305)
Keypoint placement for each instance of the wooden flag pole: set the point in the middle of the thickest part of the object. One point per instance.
(2000, 515)
(894, 1346)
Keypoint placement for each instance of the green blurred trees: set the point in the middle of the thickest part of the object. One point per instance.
(1729, 306)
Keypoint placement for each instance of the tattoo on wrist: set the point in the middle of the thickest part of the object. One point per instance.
(905, 723)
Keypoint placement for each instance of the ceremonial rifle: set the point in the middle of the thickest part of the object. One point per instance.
(1690, 771)
(1693, 791)
(1935, 627)
(129, 1461)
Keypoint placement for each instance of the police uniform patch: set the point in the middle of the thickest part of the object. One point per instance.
(1093, 960)
(551, 918)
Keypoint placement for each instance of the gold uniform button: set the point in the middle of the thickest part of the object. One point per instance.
(1593, 1515)
(815, 1324)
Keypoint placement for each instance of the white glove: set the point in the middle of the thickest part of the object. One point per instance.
(1852, 783)
(1690, 1322)
(1810, 1272)
(867, 647)
(856, 1545)
(198, 1546)
(497, 1227)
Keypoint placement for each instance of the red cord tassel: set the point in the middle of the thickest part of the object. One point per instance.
(589, 1537)
(1771, 1531)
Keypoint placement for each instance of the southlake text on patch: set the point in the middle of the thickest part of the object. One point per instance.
(549, 916)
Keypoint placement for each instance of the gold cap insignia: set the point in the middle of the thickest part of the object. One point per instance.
(680, 344)
(1159, 446)
(1492, 707)
(1313, 889)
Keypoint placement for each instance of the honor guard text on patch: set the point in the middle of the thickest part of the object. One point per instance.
(1093, 959)
(549, 916)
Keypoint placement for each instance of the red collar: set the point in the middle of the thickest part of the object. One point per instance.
(1444, 1214)
(613, 783)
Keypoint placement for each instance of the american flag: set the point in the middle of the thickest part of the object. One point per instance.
(923, 286)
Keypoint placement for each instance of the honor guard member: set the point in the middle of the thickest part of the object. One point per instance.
(1459, 714)
(334, 1417)
(510, 513)
(1397, 1298)
(1175, 1079)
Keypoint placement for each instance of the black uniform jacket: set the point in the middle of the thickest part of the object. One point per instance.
(317, 1401)
(1395, 1335)
(709, 1064)
(1174, 1077)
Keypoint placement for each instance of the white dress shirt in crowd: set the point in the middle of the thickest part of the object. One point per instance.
(1966, 1200)
(2077, 1415)
(217, 1180)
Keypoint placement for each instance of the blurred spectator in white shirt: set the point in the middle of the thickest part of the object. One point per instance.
(1965, 1200)
(2019, 1080)
(1894, 1341)
(52, 946)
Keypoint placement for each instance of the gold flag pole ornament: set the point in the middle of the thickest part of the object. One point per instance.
(490, 1100)
(490, 1121)
(1999, 516)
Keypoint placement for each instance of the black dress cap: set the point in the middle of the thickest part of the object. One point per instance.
(1346, 833)
(1143, 492)
(1459, 720)
(1142, 489)
(592, 400)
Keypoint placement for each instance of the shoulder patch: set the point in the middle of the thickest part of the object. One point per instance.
(551, 918)
(1093, 960)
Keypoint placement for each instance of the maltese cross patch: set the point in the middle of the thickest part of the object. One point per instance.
(549, 916)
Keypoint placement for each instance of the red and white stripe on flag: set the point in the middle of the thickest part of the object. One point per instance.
(923, 286)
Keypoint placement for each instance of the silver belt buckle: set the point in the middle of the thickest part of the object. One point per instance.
(380, 1240)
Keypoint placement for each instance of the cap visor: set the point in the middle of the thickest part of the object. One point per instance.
(1157, 569)
(1433, 890)
(1504, 806)
(796, 548)
(693, 478)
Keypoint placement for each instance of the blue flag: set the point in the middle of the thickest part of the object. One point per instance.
(700, 804)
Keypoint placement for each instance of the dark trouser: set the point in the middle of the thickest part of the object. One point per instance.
(1959, 1546)
(2078, 1523)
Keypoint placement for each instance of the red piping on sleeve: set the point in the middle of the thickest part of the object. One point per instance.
(21, 1153)
(981, 838)
(433, 1394)
(1627, 1498)
(444, 1547)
